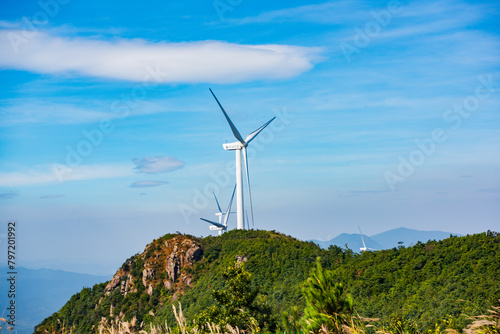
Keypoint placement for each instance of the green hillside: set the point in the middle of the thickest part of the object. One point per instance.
(425, 284)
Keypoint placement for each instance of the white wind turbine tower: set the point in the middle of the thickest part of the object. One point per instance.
(364, 248)
(239, 146)
(221, 226)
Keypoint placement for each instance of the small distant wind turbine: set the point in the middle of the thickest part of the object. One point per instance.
(239, 146)
(221, 226)
(364, 248)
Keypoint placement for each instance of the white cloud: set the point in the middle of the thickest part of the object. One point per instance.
(144, 184)
(151, 63)
(159, 164)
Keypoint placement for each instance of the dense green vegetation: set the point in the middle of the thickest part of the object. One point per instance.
(428, 282)
(279, 264)
(237, 304)
(327, 304)
(423, 285)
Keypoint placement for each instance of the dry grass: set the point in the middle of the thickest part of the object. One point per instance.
(483, 324)
(124, 327)
(4, 326)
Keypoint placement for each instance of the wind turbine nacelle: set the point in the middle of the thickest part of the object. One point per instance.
(215, 228)
(232, 146)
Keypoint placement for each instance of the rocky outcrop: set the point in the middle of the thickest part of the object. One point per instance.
(173, 267)
(127, 285)
(163, 262)
(240, 259)
(114, 282)
(123, 280)
(182, 255)
(194, 253)
(147, 274)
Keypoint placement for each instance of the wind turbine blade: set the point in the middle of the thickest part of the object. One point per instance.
(248, 184)
(361, 237)
(213, 223)
(254, 134)
(217, 203)
(228, 211)
(233, 128)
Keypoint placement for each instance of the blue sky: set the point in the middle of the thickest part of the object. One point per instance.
(387, 116)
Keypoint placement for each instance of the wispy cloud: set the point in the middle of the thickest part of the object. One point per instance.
(52, 196)
(145, 184)
(36, 111)
(425, 9)
(421, 29)
(55, 173)
(67, 110)
(367, 192)
(332, 12)
(490, 190)
(159, 164)
(9, 195)
(353, 11)
(143, 61)
(64, 29)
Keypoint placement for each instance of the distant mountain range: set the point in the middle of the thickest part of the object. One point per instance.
(41, 292)
(385, 240)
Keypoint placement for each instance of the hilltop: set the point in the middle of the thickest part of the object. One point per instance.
(423, 283)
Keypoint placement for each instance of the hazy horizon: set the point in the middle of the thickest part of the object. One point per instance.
(387, 116)
(86, 267)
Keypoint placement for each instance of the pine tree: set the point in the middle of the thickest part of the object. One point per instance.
(237, 303)
(328, 307)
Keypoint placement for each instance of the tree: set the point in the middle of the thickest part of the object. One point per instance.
(328, 307)
(237, 304)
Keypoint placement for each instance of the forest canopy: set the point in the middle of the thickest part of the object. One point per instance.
(425, 284)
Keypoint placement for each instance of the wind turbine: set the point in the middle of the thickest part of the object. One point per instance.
(364, 248)
(239, 146)
(221, 226)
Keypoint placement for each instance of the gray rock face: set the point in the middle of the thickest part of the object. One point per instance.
(241, 259)
(182, 255)
(147, 274)
(170, 257)
(126, 286)
(173, 267)
(121, 279)
(194, 254)
(113, 283)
